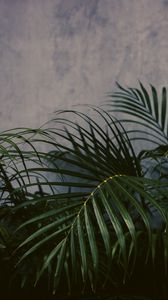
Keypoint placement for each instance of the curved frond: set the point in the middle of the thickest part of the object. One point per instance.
(146, 109)
(83, 208)
(115, 211)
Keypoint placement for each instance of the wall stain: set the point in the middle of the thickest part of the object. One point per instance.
(73, 16)
(153, 34)
(62, 62)
(165, 3)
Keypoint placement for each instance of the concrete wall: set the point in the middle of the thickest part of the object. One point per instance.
(59, 53)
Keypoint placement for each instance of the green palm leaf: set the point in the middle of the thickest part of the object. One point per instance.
(105, 200)
(85, 206)
(147, 109)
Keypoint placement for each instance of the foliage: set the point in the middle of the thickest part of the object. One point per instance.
(84, 214)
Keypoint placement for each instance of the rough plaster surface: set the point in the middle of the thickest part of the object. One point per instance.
(58, 53)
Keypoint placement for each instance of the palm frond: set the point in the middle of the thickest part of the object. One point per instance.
(145, 109)
(98, 223)
(84, 207)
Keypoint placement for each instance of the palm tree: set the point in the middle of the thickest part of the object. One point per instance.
(88, 211)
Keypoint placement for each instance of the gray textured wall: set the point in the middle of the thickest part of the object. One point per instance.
(58, 53)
